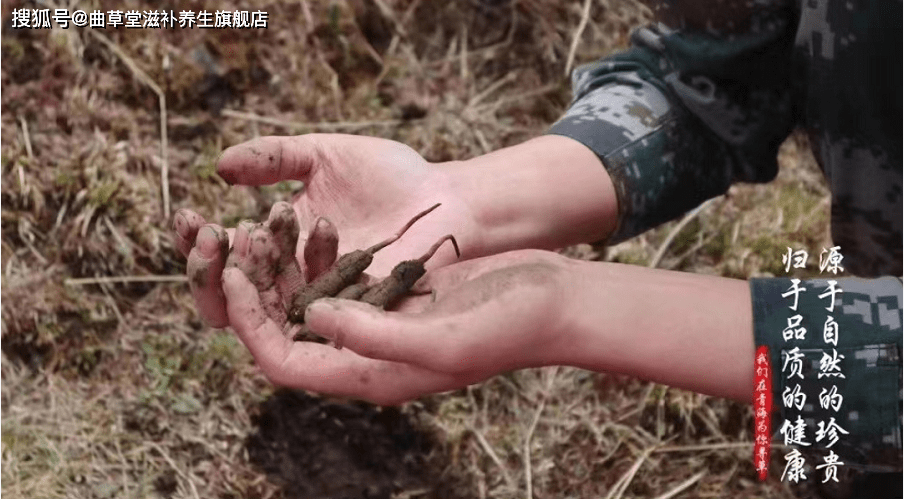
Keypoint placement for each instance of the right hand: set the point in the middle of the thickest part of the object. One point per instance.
(367, 187)
(464, 323)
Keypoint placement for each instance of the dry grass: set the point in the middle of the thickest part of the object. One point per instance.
(118, 390)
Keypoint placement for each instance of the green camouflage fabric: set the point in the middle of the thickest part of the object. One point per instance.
(704, 98)
(866, 341)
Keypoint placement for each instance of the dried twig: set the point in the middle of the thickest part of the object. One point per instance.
(701, 241)
(643, 401)
(21, 172)
(464, 53)
(490, 452)
(400, 32)
(182, 474)
(482, 140)
(23, 187)
(334, 84)
(705, 447)
(490, 89)
(83, 281)
(308, 18)
(409, 12)
(502, 101)
(675, 230)
(576, 38)
(121, 320)
(622, 483)
(120, 239)
(681, 486)
(528, 472)
(323, 125)
(161, 96)
(487, 52)
(26, 138)
(390, 14)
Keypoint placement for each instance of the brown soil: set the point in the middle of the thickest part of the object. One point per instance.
(317, 448)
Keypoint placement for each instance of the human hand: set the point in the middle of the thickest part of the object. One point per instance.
(471, 320)
(367, 188)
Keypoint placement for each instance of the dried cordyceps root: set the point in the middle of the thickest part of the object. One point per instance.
(353, 292)
(386, 292)
(345, 272)
(382, 294)
(402, 278)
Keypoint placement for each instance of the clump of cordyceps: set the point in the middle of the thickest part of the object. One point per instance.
(342, 278)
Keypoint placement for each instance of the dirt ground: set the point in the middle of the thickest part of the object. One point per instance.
(113, 387)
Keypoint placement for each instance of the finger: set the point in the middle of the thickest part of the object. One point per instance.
(376, 334)
(255, 252)
(261, 259)
(205, 266)
(251, 322)
(185, 226)
(267, 160)
(284, 225)
(316, 367)
(241, 242)
(262, 267)
(321, 248)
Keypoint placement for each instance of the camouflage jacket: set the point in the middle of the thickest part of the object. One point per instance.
(704, 98)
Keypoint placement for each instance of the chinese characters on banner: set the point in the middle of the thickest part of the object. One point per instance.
(150, 19)
(762, 411)
(798, 365)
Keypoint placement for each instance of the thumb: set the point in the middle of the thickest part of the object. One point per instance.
(268, 160)
(374, 333)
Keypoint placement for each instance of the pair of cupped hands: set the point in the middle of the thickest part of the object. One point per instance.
(471, 317)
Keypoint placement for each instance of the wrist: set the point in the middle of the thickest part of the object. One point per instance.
(684, 330)
(546, 193)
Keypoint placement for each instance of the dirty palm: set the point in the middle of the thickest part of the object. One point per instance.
(290, 267)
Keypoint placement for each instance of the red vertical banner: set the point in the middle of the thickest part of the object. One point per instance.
(762, 411)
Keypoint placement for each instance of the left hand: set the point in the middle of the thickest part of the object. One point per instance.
(368, 188)
(472, 320)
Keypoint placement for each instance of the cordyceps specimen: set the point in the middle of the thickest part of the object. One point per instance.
(402, 278)
(341, 279)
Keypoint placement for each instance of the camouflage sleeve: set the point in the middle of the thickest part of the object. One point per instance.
(684, 113)
(839, 369)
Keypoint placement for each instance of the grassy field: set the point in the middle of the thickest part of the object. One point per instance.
(117, 389)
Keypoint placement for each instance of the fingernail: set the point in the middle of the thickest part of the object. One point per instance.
(323, 305)
(180, 225)
(242, 235)
(208, 242)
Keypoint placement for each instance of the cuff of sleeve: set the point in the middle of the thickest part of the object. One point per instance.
(661, 163)
(622, 123)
